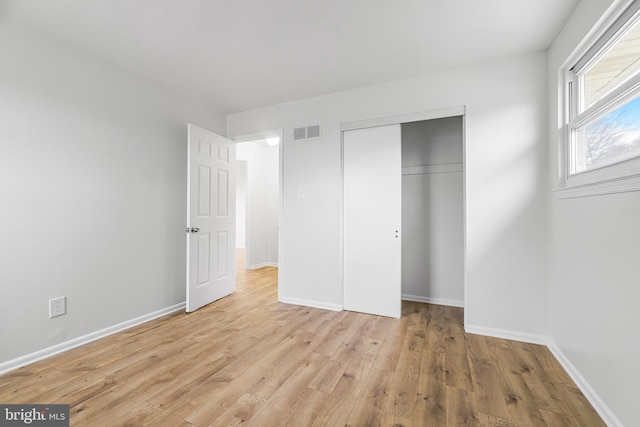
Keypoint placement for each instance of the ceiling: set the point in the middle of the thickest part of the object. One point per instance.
(237, 55)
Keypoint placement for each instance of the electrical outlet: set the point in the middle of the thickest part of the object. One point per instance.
(57, 306)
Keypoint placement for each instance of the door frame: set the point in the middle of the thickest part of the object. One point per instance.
(440, 113)
(263, 135)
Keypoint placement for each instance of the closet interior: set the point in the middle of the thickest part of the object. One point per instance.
(432, 211)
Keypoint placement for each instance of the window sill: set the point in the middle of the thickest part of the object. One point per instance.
(617, 185)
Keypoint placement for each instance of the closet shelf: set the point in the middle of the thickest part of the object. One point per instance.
(430, 169)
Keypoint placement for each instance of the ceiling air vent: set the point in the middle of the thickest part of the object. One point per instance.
(304, 133)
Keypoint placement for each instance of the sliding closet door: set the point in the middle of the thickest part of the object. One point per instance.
(372, 178)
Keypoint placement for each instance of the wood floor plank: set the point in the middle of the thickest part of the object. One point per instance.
(180, 395)
(389, 354)
(248, 359)
(129, 387)
(554, 419)
(371, 404)
(461, 408)
(288, 393)
(274, 377)
(546, 394)
(304, 409)
(22, 385)
(485, 377)
(339, 404)
(240, 412)
(218, 391)
(379, 329)
(165, 418)
(580, 407)
(551, 366)
(519, 404)
(342, 334)
(456, 361)
(404, 389)
(434, 329)
(431, 403)
(328, 377)
(458, 370)
(341, 401)
(220, 399)
(76, 390)
(494, 421)
(138, 415)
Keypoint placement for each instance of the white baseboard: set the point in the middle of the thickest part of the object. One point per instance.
(309, 303)
(437, 301)
(264, 264)
(601, 408)
(507, 334)
(85, 339)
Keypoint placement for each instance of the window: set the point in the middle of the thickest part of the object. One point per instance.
(602, 114)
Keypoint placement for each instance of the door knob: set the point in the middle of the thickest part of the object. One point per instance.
(194, 229)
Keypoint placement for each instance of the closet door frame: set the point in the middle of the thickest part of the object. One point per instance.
(398, 120)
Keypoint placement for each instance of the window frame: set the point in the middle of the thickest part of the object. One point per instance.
(618, 176)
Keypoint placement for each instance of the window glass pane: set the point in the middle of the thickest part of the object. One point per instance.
(612, 138)
(619, 63)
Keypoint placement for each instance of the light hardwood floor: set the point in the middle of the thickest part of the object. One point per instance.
(249, 360)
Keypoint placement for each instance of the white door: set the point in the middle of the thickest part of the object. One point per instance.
(372, 180)
(210, 217)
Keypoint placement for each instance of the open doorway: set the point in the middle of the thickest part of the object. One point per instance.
(433, 211)
(257, 202)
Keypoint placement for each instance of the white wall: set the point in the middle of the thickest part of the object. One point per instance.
(505, 184)
(241, 203)
(594, 273)
(432, 211)
(92, 190)
(262, 202)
